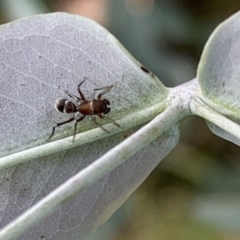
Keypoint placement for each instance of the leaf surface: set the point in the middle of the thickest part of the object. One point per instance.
(40, 58)
(219, 73)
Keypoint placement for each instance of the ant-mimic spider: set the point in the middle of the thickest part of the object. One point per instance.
(92, 107)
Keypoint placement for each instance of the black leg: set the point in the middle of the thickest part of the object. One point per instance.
(79, 90)
(59, 124)
(95, 121)
(77, 99)
(75, 126)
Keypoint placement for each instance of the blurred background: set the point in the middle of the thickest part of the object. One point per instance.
(194, 193)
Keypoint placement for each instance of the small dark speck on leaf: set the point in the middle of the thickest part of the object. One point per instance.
(223, 84)
(145, 70)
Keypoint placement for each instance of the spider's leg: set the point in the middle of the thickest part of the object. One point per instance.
(95, 121)
(59, 124)
(104, 91)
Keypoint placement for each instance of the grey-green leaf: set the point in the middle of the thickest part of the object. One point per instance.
(40, 58)
(43, 56)
(219, 72)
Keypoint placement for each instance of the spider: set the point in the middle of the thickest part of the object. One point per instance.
(92, 107)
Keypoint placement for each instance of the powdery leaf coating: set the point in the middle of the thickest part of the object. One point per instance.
(40, 58)
(219, 68)
(24, 185)
(219, 73)
(223, 134)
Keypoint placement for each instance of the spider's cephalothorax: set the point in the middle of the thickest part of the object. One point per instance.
(92, 107)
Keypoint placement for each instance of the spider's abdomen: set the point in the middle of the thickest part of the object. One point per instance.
(65, 106)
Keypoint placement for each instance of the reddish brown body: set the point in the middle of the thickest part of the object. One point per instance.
(93, 107)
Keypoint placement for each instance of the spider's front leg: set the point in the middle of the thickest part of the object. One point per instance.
(105, 90)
